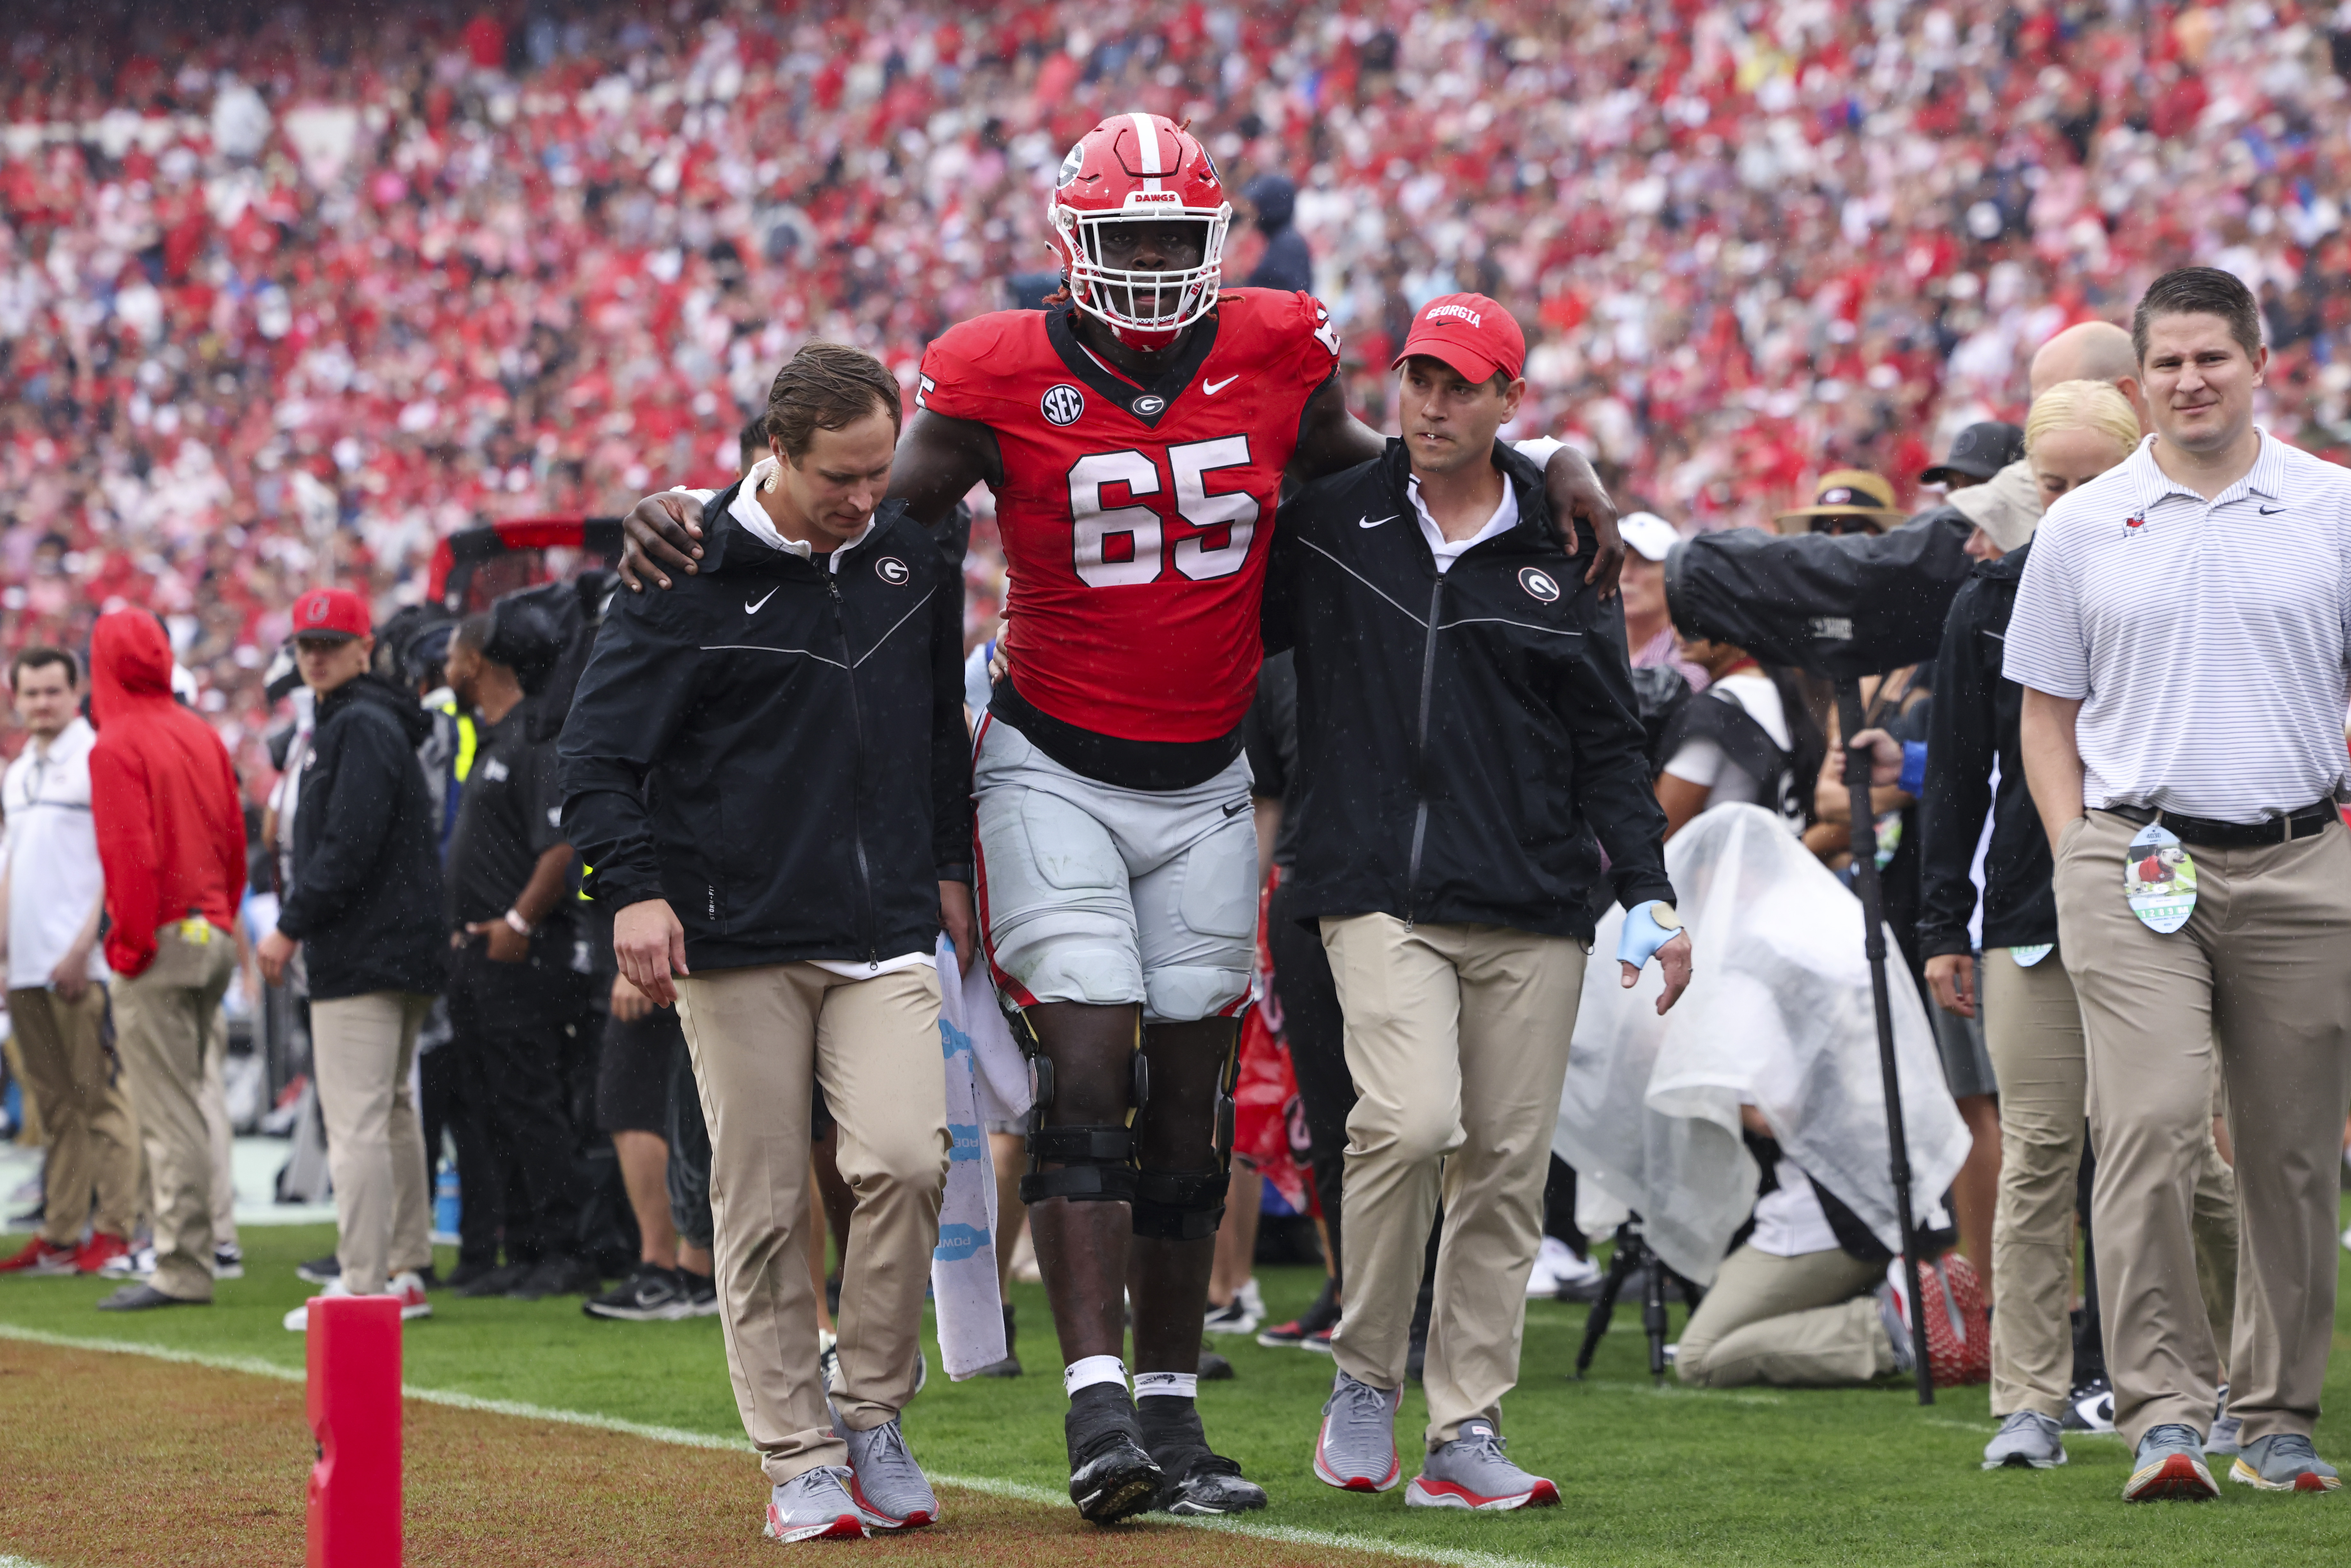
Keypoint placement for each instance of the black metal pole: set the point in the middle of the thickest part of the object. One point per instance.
(1872, 916)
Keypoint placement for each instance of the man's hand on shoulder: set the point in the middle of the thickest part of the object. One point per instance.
(1576, 496)
(664, 531)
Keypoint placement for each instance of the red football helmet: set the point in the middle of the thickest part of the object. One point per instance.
(1139, 168)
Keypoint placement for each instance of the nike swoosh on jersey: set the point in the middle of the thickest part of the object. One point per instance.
(1375, 522)
(1213, 388)
(2272, 511)
(752, 608)
(1237, 808)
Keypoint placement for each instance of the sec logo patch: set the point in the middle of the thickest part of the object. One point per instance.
(891, 570)
(1063, 405)
(1538, 584)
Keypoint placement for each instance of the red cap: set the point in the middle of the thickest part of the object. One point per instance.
(331, 613)
(1468, 332)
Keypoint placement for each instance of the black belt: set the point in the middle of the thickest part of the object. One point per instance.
(2215, 835)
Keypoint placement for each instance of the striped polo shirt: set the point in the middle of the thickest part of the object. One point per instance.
(2210, 641)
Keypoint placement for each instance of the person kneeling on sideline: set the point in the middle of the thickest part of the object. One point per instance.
(1455, 764)
(768, 771)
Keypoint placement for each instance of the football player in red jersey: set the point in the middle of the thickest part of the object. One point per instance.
(1136, 438)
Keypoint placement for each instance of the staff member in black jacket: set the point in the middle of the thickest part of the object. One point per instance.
(768, 770)
(365, 907)
(1466, 726)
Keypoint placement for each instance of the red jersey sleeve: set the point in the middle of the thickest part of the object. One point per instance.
(954, 379)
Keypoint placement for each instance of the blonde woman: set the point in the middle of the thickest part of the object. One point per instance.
(2076, 430)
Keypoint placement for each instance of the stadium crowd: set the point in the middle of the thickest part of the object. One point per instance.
(286, 302)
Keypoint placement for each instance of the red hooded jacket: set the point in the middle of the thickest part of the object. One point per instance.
(163, 795)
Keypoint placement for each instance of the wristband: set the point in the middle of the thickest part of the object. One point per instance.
(514, 919)
(1647, 927)
(1913, 781)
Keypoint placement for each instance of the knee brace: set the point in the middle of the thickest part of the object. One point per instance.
(1188, 1205)
(1097, 1162)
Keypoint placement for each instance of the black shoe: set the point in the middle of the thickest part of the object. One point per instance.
(1112, 1475)
(1200, 1481)
(320, 1271)
(556, 1276)
(494, 1281)
(1316, 1319)
(140, 1296)
(466, 1273)
(832, 1297)
(701, 1293)
(650, 1294)
(1011, 1365)
(1215, 1368)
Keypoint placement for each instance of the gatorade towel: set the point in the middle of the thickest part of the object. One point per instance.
(963, 1267)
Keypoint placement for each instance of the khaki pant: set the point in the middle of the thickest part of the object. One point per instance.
(361, 1048)
(758, 1038)
(2032, 1025)
(1457, 1038)
(1806, 1321)
(2261, 974)
(167, 1030)
(92, 1174)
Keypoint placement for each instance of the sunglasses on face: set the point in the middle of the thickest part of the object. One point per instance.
(1843, 525)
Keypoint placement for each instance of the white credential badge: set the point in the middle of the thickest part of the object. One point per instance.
(2031, 953)
(2160, 880)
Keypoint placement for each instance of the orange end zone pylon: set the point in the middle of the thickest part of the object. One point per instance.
(354, 1407)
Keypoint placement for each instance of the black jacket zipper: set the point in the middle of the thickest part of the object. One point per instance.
(857, 772)
(1420, 766)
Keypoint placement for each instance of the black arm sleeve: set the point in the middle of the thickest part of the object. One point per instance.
(950, 736)
(356, 812)
(1611, 767)
(636, 689)
(1962, 736)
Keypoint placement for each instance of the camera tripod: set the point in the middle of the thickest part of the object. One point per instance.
(1633, 1259)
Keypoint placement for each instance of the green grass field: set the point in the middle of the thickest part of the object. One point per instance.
(1647, 1475)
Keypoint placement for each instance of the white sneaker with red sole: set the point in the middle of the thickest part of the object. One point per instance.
(815, 1505)
(1473, 1472)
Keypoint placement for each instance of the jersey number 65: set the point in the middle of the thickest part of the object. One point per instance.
(1120, 547)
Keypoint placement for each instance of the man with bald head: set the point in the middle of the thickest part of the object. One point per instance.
(2092, 352)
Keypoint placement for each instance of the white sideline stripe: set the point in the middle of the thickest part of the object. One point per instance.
(989, 1486)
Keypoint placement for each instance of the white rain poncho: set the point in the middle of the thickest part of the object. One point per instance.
(1777, 1015)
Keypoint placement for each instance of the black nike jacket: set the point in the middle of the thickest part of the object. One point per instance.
(777, 747)
(1977, 711)
(1461, 739)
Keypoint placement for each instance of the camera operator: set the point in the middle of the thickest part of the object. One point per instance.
(514, 997)
(2181, 634)
(1453, 773)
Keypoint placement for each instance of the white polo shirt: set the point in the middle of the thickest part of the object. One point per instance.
(51, 849)
(2209, 642)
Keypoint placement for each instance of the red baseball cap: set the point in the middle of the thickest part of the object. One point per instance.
(1468, 332)
(331, 613)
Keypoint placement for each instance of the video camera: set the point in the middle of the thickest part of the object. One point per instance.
(1843, 606)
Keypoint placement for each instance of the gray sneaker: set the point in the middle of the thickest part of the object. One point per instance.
(889, 1487)
(2027, 1440)
(1355, 1450)
(814, 1505)
(2283, 1461)
(2227, 1436)
(2171, 1464)
(1472, 1471)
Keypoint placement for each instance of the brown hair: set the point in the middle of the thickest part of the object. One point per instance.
(828, 386)
(2199, 291)
(39, 656)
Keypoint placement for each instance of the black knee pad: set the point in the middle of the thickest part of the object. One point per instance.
(1179, 1205)
(1097, 1165)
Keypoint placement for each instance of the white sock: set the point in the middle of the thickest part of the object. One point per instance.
(1167, 1384)
(1089, 1369)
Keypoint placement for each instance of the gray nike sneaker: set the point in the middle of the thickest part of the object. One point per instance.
(814, 1505)
(2026, 1440)
(890, 1490)
(2283, 1461)
(1472, 1471)
(2171, 1464)
(1355, 1451)
(2227, 1437)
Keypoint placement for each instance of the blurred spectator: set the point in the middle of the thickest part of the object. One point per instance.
(52, 892)
(1285, 262)
(363, 903)
(1977, 453)
(1648, 623)
(171, 837)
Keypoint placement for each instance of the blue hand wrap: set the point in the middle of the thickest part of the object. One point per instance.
(1642, 935)
(1913, 781)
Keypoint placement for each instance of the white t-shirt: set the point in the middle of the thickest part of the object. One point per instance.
(754, 517)
(51, 849)
(1789, 1220)
(1447, 551)
(2209, 640)
(1701, 761)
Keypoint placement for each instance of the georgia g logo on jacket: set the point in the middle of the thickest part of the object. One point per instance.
(1538, 584)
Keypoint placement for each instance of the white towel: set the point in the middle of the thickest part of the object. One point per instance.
(963, 1266)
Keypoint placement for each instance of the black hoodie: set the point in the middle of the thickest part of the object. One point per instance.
(1976, 713)
(366, 899)
(1461, 739)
